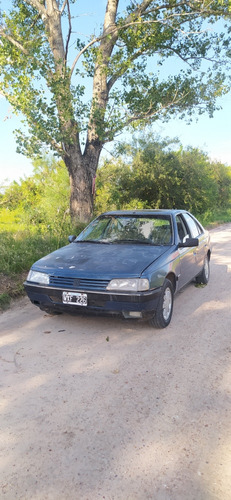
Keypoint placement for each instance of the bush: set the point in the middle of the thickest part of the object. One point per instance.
(151, 176)
(214, 217)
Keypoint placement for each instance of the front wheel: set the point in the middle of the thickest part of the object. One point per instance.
(203, 277)
(163, 313)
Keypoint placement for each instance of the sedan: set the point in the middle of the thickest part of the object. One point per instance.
(125, 262)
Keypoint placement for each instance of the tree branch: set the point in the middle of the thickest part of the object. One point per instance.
(117, 75)
(114, 30)
(147, 115)
(129, 21)
(13, 41)
(63, 6)
(69, 30)
(187, 59)
(38, 6)
(81, 52)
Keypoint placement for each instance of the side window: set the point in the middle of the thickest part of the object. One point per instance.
(182, 230)
(194, 228)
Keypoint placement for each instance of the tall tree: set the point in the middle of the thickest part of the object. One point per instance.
(40, 80)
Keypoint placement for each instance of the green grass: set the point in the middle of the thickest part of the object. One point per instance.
(20, 247)
(19, 251)
(21, 243)
(212, 218)
(10, 222)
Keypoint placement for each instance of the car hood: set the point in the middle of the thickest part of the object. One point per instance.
(95, 260)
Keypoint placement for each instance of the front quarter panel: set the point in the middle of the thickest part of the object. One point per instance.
(168, 263)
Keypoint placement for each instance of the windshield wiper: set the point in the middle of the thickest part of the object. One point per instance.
(93, 241)
(134, 241)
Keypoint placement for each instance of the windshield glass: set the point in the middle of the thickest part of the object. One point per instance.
(147, 229)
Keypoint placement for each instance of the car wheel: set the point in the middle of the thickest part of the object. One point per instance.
(203, 277)
(163, 313)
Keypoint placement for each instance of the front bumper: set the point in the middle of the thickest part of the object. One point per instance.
(50, 298)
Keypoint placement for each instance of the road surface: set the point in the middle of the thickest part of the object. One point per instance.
(103, 408)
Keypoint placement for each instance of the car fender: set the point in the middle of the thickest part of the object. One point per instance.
(158, 272)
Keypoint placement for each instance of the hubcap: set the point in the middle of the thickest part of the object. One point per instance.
(167, 304)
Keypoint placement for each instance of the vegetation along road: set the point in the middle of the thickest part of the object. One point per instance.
(101, 408)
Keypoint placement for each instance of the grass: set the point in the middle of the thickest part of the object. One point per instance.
(19, 251)
(213, 218)
(20, 246)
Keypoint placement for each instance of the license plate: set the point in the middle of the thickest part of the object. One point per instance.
(77, 299)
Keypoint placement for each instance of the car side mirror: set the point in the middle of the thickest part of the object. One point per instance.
(71, 238)
(189, 242)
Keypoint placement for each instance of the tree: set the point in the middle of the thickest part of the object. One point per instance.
(40, 80)
(154, 174)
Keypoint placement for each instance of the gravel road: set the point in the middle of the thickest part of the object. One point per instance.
(102, 408)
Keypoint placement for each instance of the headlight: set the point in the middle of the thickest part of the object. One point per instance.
(38, 277)
(129, 285)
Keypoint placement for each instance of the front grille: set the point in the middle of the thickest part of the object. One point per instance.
(78, 283)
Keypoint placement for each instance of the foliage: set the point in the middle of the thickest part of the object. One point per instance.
(152, 174)
(214, 217)
(51, 93)
(24, 250)
(41, 201)
(34, 220)
(128, 63)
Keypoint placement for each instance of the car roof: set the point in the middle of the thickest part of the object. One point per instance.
(158, 211)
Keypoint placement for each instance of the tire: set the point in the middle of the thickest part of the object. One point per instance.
(203, 277)
(163, 313)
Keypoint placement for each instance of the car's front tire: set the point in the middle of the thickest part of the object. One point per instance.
(203, 277)
(163, 313)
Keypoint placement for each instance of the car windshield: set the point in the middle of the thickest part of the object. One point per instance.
(147, 229)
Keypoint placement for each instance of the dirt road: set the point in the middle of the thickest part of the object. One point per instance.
(101, 408)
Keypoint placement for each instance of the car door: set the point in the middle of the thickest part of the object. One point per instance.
(196, 231)
(187, 255)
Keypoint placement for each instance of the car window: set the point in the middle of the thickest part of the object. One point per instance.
(155, 230)
(194, 228)
(181, 228)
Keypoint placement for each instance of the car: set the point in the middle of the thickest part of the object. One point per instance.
(126, 262)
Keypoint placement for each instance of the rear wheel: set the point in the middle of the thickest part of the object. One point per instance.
(203, 277)
(163, 313)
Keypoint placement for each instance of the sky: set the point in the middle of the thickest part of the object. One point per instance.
(212, 135)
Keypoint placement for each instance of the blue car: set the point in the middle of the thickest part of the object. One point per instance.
(125, 262)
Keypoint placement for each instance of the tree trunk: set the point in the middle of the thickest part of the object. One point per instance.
(82, 173)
